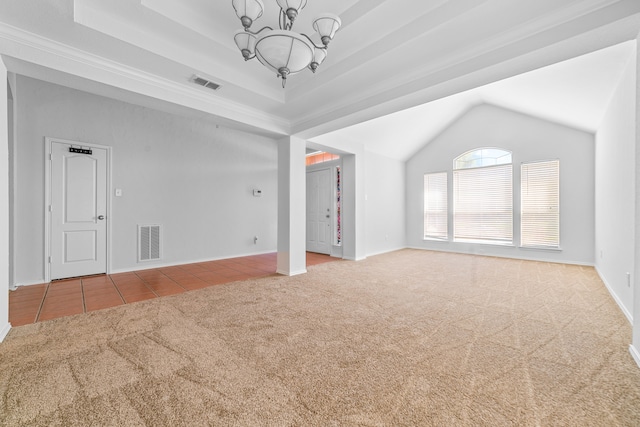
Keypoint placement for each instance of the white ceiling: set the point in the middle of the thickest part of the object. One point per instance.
(390, 55)
(575, 93)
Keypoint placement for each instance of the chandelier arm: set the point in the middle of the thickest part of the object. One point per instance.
(313, 43)
(284, 24)
(257, 32)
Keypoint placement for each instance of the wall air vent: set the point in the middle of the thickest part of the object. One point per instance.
(206, 83)
(148, 242)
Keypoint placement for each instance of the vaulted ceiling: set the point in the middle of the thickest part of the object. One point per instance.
(389, 55)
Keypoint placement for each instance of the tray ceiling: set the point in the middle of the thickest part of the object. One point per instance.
(388, 56)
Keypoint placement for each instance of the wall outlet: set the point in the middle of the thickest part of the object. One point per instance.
(255, 240)
(628, 279)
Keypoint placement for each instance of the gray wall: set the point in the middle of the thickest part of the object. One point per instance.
(529, 139)
(615, 191)
(194, 178)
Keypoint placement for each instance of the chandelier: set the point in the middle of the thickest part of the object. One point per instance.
(283, 50)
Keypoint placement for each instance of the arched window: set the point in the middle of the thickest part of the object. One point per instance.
(483, 196)
(481, 157)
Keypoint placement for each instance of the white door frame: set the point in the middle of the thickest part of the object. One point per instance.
(47, 201)
(332, 197)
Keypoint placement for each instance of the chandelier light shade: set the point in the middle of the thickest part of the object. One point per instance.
(318, 56)
(248, 11)
(326, 26)
(283, 50)
(246, 42)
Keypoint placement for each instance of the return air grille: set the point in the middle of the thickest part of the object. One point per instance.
(148, 242)
(206, 83)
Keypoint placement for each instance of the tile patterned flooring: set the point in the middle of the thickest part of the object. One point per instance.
(46, 301)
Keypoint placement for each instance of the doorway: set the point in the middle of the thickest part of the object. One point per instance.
(76, 208)
(319, 212)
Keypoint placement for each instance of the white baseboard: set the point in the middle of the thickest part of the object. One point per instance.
(636, 355)
(153, 265)
(348, 258)
(386, 251)
(615, 297)
(17, 285)
(515, 255)
(4, 331)
(291, 273)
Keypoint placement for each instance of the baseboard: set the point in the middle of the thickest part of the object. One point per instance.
(348, 258)
(386, 251)
(507, 256)
(4, 331)
(174, 264)
(615, 297)
(635, 354)
(291, 273)
(17, 285)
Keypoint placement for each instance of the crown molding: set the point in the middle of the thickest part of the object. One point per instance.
(493, 60)
(33, 48)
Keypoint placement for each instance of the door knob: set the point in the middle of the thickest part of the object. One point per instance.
(100, 217)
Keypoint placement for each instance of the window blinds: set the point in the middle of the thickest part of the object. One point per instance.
(541, 204)
(483, 206)
(435, 206)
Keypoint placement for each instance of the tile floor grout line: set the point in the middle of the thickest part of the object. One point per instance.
(144, 282)
(84, 304)
(117, 289)
(44, 296)
(170, 278)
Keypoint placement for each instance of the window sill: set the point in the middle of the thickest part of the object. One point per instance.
(540, 248)
(484, 242)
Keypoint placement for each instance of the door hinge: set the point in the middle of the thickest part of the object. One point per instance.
(50, 208)
(49, 260)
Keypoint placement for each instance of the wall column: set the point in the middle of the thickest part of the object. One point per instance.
(292, 201)
(4, 205)
(635, 346)
(354, 200)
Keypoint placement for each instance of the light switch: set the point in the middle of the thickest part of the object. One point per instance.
(118, 192)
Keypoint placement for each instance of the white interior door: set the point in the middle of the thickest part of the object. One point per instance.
(319, 211)
(78, 197)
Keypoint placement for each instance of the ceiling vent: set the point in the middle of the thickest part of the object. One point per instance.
(206, 83)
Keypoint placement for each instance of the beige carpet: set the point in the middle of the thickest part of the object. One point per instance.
(407, 338)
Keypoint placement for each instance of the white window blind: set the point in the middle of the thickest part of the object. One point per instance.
(483, 204)
(435, 206)
(541, 204)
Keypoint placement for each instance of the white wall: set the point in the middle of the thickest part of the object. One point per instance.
(385, 204)
(615, 191)
(529, 139)
(635, 347)
(194, 178)
(4, 205)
